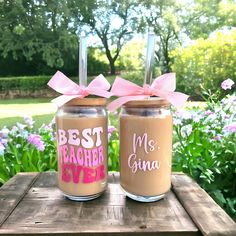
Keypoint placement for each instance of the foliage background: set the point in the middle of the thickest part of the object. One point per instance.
(207, 61)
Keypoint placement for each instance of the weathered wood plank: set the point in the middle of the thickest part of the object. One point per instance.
(98, 231)
(207, 215)
(12, 193)
(45, 210)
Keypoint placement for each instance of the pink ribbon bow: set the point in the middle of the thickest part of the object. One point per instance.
(163, 86)
(62, 84)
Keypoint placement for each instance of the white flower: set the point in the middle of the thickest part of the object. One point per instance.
(4, 132)
(177, 121)
(18, 145)
(2, 148)
(20, 126)
(29, 121)
(186, 130)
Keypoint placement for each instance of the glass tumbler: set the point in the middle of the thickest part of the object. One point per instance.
(146, 149)
(81, 130)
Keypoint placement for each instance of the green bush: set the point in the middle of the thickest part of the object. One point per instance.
(34, 83)
(206, 62)
(136, 77)
(24, 83)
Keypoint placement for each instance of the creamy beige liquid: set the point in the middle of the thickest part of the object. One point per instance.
(83, 176)
(145, 144)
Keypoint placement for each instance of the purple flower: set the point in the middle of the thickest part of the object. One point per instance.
(3, 141)
(231, 128)
(217, 137)
(227, 84)
(208, 112)
(37, 141)
(226, 117)
(111, 129)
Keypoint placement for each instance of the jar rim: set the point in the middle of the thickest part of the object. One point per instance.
(149, 102)
(87, 102)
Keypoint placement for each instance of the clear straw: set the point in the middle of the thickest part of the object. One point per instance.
(149, 58)
(83, 61)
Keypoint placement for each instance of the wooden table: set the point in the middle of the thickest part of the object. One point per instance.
(31, 204)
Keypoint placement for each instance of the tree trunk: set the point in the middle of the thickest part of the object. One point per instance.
(112, 67)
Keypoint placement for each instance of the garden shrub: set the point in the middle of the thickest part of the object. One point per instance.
(136, 77)
(24, 149)
(205, 149)
(24, 83)
(28, 83)
(206, 62)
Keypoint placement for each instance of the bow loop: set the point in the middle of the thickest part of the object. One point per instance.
(122, 87)
(70, 90)
(62, 84)
(165, 82)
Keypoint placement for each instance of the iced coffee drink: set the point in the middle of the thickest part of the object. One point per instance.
(146, 149)
(81, 126)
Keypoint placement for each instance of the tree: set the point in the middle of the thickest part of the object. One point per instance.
(38, 31)
(202, 17)
(174, 21)
(131, 56)
(113, 22)
(162, 17)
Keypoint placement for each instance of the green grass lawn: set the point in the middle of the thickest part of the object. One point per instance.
(42, 110)
(13, 110)
(39, 120)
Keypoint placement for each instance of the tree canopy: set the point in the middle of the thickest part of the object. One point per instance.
(42, 35)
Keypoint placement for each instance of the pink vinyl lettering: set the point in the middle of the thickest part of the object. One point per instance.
(81, 155)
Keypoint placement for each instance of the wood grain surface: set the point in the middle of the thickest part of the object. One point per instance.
(31, 204)
(206, 214)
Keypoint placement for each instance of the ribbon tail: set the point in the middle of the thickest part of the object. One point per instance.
(61, 100)
(177, 99)
(114, 105)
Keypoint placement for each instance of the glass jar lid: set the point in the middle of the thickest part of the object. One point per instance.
(149, 102)
(87, 102)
